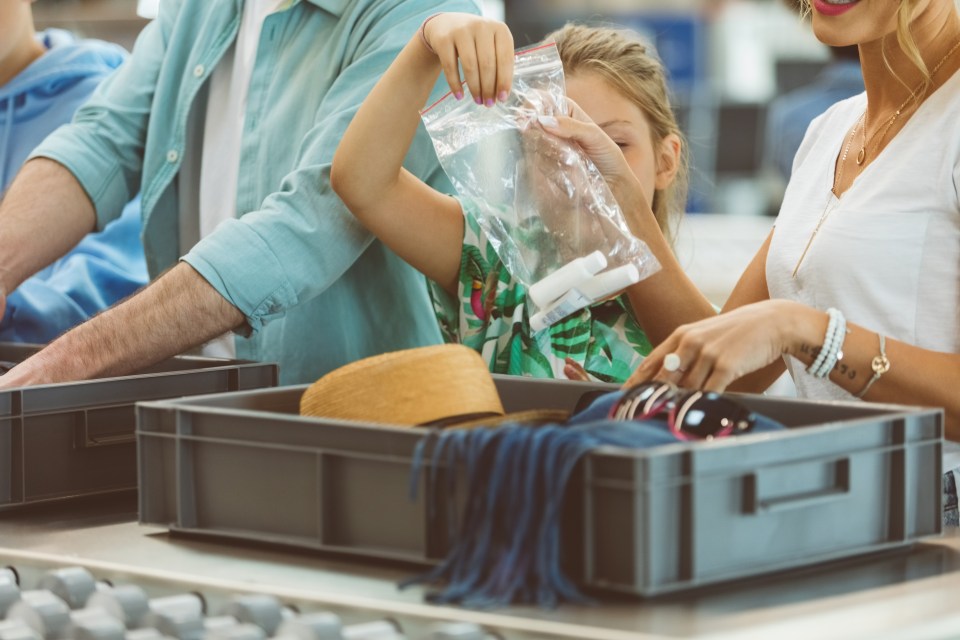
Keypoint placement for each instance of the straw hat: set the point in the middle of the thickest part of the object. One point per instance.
(441, 385)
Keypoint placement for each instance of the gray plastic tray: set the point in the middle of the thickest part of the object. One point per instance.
(69, 440)
(845, 479)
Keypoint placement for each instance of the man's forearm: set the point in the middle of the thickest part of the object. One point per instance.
(177, 312)
(43, 215)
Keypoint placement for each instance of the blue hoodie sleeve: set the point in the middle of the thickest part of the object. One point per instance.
(103, 269)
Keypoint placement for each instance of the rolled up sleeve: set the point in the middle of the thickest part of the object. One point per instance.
(103, 147)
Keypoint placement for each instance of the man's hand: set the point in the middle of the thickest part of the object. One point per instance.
(177, 312)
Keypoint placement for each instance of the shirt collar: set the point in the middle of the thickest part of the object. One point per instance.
(336, 7)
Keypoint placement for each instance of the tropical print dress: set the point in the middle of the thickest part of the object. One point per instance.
(491, 316)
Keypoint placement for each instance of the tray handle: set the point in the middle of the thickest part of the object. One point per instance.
(761, 493)
(90, 431)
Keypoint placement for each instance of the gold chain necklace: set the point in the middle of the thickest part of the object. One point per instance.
(827, 209)
(862, 156)
(914, 96)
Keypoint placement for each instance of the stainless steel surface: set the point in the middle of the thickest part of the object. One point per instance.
(907, 594)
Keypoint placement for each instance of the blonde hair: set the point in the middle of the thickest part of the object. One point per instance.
(909, 45)
(630, 68)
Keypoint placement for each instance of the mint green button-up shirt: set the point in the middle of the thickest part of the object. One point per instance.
(316, 289)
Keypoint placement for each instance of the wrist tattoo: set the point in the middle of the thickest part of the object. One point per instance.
(845, 370)
(810, 350)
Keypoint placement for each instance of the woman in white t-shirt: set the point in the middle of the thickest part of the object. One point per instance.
(869, 230)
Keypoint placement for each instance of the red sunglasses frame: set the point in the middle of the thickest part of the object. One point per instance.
(668, 396)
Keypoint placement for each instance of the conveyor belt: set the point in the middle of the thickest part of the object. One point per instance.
(910, 594)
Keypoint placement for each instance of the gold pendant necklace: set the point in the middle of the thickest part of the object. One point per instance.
(914, 96)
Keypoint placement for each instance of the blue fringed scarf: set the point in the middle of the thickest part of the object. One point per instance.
(507, 549)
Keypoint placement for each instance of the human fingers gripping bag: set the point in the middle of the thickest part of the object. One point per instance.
(545, 207)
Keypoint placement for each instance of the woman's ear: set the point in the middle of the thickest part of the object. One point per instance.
(669, 152)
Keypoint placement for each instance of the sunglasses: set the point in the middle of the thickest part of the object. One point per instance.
(691, 415)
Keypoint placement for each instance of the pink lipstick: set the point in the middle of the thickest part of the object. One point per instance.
(833, 9)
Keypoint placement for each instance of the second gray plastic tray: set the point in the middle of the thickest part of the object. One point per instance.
(69, 440)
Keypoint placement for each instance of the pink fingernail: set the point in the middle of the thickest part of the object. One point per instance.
(458, 95)
(488, 102)
(502, 97)
(478, 100)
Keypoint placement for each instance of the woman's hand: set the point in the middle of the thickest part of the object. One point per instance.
(715, 352)
(484, 49)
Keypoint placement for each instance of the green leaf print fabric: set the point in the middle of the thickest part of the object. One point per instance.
(490, 315)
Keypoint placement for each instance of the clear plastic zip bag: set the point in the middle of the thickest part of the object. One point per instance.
(540, 200)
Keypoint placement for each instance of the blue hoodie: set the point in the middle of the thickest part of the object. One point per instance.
(105, 267)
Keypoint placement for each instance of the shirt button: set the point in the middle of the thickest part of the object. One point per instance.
(198, 71)
(172, 156)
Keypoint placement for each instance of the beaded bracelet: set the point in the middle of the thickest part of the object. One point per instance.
(831, 351)
(880, 365)
(822, 354)
(835, 352)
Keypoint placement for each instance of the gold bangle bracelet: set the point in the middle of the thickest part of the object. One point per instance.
(880, 365)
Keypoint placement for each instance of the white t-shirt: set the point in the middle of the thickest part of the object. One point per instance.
(888, 254)
(223, 134)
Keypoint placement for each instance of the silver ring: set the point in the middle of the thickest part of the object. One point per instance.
(671, 363)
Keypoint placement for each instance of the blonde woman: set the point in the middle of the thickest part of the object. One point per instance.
(623, 121)
(869, 230)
